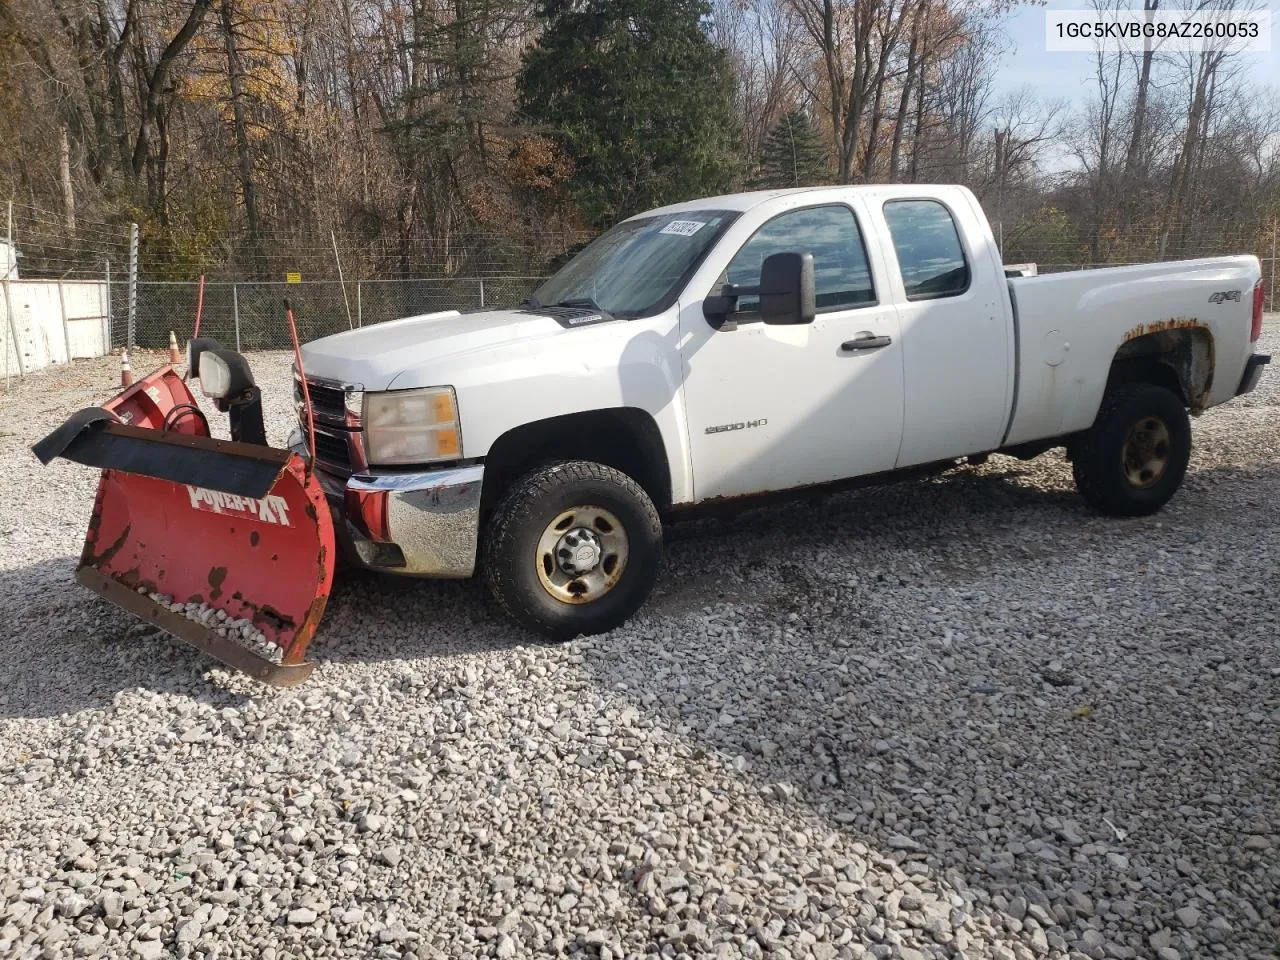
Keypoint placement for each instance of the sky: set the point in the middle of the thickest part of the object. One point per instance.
(1069, 75)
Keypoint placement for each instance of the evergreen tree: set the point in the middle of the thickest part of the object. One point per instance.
(640, 98)
(793, 155)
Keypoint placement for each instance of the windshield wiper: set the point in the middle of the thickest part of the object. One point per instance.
(587, 302)
(530, 302)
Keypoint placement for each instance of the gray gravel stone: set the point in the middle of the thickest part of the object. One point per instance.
(957, 717)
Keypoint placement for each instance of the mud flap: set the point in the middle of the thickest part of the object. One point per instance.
(227, 546)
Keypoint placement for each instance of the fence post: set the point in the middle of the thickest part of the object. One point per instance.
(5, 280)
(235, 311)
(359, 303)
(110, 323)
(133, 287)
(13, 332)
(341, 282)
(66, 330)
(11, 261)
(1275, 228)
(482, 292)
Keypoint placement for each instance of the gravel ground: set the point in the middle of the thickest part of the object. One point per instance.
(955, 718)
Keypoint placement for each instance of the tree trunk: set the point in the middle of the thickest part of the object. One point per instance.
(158, 79)
(835, 82)
(857, 91)
(1138, 128)
(904, 99)
(877, 114)
(918, 134)
(243, 155)
(353, 91)
(115, 82)
(64, 180)
(301, 53)
(1181, 181)
(160, 169)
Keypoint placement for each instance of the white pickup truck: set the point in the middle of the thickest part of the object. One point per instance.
(741, 345)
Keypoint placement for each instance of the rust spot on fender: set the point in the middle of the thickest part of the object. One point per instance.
(1160, 326)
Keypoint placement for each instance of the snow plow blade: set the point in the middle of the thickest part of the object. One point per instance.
(226, 545)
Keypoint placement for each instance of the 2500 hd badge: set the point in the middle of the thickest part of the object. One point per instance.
(740, 425)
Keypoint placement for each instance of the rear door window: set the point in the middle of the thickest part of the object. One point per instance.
(842, 278)
(930, 255)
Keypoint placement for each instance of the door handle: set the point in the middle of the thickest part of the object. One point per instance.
(866, 340)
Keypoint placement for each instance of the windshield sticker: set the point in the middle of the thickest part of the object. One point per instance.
(683, 228)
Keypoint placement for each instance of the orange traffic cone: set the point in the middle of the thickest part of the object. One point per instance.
(126, 371)
(174, 356)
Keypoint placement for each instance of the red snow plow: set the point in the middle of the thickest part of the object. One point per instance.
(228, 545)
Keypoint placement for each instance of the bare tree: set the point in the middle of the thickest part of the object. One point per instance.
(762, 38)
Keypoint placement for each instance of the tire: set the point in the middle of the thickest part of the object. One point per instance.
(1132, 460)
(525, 575)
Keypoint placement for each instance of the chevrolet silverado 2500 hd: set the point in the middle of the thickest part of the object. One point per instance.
(750, 344)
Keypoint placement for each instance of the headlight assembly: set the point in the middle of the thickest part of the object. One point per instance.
(411, 426)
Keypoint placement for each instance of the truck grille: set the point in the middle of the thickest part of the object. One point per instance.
(333, 451)
(326, 401)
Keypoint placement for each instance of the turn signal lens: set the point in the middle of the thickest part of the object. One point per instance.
(447, 444)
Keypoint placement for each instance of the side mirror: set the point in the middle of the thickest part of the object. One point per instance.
(787, 289)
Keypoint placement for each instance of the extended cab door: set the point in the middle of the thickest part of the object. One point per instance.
(956, 325)
(772, 407)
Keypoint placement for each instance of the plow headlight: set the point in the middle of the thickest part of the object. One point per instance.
(223, 374)
(195, 348)
(411, 426)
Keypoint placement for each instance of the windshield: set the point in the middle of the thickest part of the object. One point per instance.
(637, 267)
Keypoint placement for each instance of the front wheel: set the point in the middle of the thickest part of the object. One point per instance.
(573, 548)
(1133, 458)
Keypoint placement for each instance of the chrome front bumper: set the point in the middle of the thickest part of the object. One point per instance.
(424, 524)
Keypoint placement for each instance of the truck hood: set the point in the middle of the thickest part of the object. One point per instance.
(372, 357)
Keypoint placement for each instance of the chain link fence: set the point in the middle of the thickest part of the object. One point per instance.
(250, 315)
(495, 271)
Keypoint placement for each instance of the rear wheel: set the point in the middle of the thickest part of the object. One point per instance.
(573, 548)
(1132, 460)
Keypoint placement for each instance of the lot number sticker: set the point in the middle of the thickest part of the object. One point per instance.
(683, 228)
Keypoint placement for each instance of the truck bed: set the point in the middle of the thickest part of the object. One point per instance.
(1070, 325)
